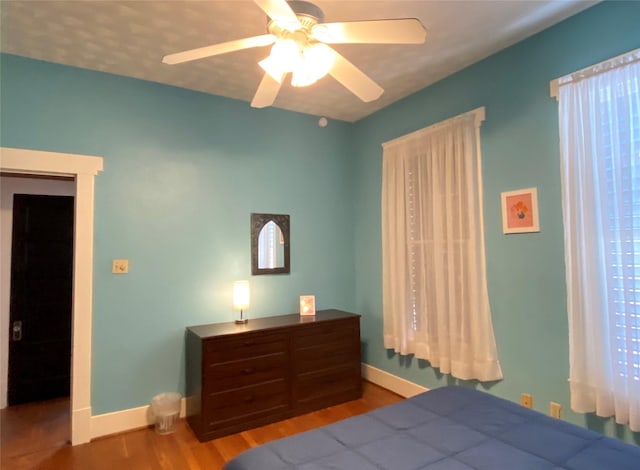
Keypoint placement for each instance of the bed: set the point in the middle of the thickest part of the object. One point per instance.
(450, 428)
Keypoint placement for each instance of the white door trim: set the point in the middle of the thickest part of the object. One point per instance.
(83, 168)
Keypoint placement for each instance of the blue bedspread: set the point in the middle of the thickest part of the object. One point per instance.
(450, 428)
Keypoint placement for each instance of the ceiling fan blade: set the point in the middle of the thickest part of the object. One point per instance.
(354, 79)
(400, 31)
(267, 91)
(217, 49)
(281, 12)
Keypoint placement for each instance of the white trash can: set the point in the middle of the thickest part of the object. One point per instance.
(166, 411)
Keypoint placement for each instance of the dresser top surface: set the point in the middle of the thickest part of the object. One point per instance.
(265, 323)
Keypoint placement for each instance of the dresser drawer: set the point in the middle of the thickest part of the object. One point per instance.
(327, 355)
(336, 331)
(317, 386)
(245, 404)
(223, 376)
(245, 346)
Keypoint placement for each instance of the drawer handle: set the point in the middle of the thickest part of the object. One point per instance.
(248, 370)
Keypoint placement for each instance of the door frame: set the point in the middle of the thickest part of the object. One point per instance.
(83, 168)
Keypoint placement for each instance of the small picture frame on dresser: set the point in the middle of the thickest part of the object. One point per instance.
(307, 305)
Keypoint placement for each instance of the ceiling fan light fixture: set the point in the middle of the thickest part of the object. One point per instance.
(284, 58)
(302, 77)
(316, 62)
(309, 62)
(286, 53)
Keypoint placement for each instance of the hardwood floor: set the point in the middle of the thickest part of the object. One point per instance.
(32, 428)
(36, 437)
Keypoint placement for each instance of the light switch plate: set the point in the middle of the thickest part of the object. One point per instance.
(120, 266)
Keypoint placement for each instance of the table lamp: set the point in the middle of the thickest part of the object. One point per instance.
(241, 299)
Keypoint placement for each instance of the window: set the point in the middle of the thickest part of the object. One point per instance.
(599, 113)
(435, 300)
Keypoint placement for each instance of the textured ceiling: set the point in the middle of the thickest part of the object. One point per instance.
(131, 37)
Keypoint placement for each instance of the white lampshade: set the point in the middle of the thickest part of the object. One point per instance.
(317, 59)
(286, 52)
(270, 66)
(241, 295)
(285, 56)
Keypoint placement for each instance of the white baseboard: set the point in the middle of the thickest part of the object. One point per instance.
(125, 420)
(135, 418)
(391, 382)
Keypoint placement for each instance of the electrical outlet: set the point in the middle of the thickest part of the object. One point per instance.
(555, 409)
(526, 400)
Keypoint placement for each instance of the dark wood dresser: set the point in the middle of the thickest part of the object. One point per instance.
(272, 368)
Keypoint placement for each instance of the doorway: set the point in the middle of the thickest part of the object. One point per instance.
(83, 168)
(41, 298)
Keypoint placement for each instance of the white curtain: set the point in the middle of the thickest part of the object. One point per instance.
(435, 301)
(599, 114)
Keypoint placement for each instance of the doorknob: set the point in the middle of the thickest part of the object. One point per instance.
(16, 330)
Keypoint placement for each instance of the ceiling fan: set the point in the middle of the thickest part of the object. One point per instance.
(300, 41)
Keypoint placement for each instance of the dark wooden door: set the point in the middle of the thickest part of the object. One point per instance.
(41, 298)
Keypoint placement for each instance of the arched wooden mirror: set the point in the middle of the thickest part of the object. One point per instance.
(269, 244)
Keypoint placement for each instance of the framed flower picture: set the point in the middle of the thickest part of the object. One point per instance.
(307, 305)
(520, 211)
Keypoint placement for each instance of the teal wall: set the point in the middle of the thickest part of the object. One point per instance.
(520, 149)
(182, 173)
